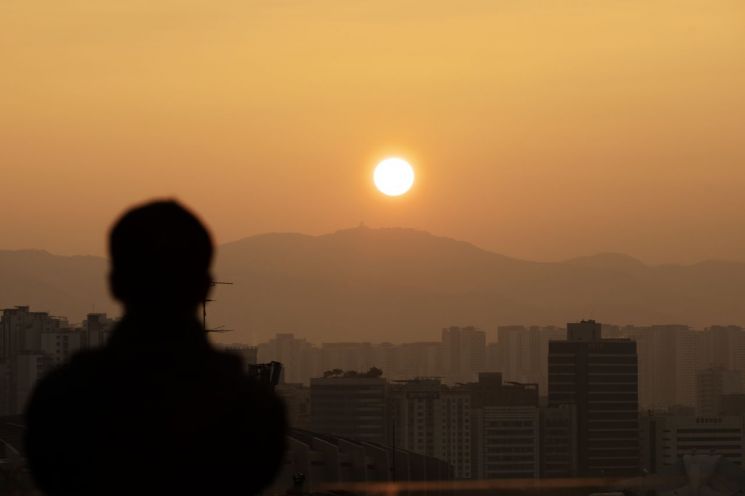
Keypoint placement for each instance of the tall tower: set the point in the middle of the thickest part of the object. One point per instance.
(599, 378)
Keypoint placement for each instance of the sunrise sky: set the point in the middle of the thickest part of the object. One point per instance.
(540, 130)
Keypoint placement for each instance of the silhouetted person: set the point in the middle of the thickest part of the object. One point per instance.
(157, 410)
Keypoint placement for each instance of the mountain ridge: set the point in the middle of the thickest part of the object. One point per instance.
(398, 284)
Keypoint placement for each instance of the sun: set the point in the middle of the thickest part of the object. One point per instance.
(393, 176)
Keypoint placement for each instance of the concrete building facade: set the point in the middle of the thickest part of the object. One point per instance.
(351, 407)
(598, 377)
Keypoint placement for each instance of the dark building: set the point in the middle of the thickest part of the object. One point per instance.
(599, 378)
(350, 407)
(733, 405)
(558, 441)
(505, 426)
(490, 390)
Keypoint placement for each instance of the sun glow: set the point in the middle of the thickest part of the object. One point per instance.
(393, 176)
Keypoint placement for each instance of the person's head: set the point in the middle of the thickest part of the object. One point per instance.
(160, 258)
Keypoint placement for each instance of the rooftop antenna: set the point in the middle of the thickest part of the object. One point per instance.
(204, 310)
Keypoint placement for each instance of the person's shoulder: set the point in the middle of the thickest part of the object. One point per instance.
(64, 379)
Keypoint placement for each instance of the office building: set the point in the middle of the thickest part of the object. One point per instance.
(433, 419)
(59, 345)
(31, 343)
(351, 407)
(558, 441)
(598, 377)
(507, 442)
(21, 329)
(506, 425)
(667, 438)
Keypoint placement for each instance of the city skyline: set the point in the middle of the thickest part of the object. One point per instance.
(679, 366)
(477, 423)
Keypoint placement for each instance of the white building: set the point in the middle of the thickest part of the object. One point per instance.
(434, 420)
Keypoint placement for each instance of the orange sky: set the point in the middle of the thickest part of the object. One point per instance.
(541, 130)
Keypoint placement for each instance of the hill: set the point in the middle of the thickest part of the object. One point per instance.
(400, 285)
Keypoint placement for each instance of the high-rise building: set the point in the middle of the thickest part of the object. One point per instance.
(60, 345)
(507, 442)
(352, 407)
(494, 357)
(21, 329)
(558, 441)
(669, 356)
(485, 429)
(419, 359)
(347, 356)
(299, 358)
(30, 344)
(505, 426)
(463, 352)
(97, 328)
(523, 353)
(724, 346)
(711, 384)
(418, 407)
(434, 420)
(599, 378)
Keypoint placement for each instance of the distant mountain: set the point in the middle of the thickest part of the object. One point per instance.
(400, 285)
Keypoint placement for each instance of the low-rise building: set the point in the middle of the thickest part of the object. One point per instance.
(666, 438)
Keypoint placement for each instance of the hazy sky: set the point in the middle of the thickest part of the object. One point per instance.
(541, 130)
